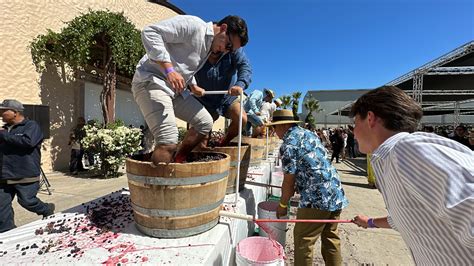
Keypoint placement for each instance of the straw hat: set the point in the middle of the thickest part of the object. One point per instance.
(283, 117)
(269, 92)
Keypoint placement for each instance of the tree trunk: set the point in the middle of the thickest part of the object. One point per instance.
(107, 96)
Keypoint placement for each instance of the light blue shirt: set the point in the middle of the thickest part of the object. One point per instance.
(183, 40)
(254, 102)
(427, 183)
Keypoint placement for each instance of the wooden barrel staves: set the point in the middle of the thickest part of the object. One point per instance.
(177, 200)
(257, 147)
(244, 164)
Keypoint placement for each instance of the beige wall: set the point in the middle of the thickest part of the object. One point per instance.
(22, 21)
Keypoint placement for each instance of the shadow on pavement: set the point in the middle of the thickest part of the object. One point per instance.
(357, 185)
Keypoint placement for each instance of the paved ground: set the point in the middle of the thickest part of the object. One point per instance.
(359, 246)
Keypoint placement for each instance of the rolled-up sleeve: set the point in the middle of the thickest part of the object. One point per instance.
(174, 30)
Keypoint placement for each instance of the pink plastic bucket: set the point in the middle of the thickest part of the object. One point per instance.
(257, 250)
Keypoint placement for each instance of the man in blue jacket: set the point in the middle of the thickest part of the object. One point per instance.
(216, 75)
(20, 156)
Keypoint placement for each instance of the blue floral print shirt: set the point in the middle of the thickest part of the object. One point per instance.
(317, 181)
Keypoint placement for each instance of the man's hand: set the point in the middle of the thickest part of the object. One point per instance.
(361, 221)
(281, 212)
(197, 91)
(235, 91)
(176, 81)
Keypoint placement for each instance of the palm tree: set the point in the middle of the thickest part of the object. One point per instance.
(312, 105)
(286, 101)
(295, 103)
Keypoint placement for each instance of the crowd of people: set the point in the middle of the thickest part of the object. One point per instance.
(426, 180)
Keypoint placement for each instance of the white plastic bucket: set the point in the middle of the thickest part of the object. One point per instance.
(267, 210)
(277, 180)
(259, 251)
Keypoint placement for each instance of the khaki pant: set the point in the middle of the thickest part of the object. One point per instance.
(306, 234)
(161, 110)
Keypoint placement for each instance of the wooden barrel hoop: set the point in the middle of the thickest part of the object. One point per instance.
(177, 200)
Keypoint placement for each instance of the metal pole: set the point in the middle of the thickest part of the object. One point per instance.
(237, 180)
(266, 145)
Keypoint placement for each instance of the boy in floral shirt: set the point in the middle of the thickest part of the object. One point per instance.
(305, 165)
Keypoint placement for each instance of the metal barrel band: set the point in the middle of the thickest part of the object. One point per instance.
(182, 232)
(176, 181)
(176, 213)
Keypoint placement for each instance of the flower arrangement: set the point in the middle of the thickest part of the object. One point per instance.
(111, 144)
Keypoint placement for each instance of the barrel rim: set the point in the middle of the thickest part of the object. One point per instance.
(226, 156)
(137, 167)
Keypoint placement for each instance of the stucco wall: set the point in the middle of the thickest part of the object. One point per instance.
(22, 21)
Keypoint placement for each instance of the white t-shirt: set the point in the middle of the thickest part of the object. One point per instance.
(266, 111)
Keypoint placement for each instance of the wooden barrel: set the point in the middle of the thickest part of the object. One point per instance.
(177, 200)
(244, 164)
(257, 147)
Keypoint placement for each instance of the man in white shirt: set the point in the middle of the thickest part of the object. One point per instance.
(176, 49)
(267, 109)
(427, 181)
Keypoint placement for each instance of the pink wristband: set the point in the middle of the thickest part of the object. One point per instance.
(169, 70)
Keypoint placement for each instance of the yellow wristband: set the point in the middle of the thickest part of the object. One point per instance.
(283, 205)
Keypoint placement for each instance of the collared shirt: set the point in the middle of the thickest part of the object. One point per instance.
(318, 182)
(427, 182)
(183, 40)
(219, 76)
(253, 103)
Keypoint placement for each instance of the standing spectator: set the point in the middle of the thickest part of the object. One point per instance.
(77, 152)
(337, 143)
(344, 138)
(252, 106)
(20, 153)
(461, 136)
(216, 75)
(350, 142)
(427, 181)
(370, 173)
(306, 168)
(176, 49)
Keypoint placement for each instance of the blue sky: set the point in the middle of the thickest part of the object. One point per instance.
(301, 45)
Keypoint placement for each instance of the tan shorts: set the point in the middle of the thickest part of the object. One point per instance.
(160, 111)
